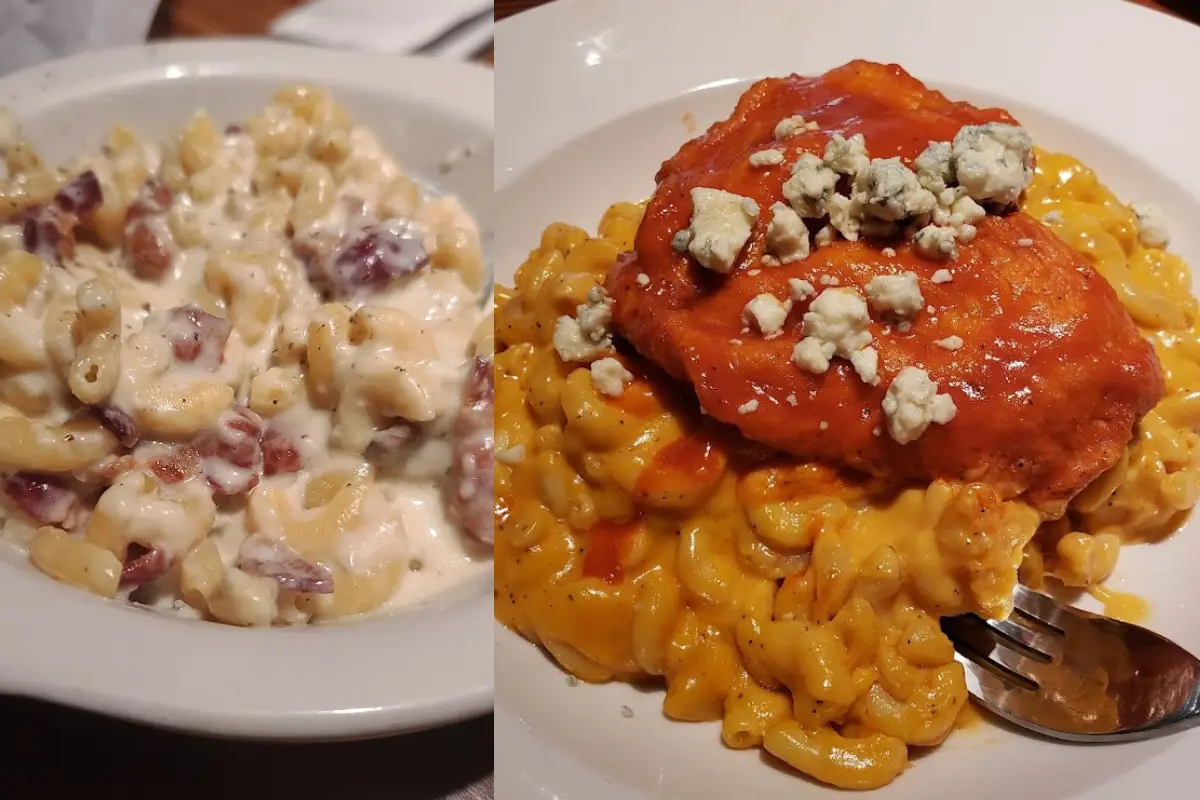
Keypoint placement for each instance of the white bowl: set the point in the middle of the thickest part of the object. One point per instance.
(418, 668)
(594, 94)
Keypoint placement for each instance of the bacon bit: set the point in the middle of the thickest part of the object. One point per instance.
(147, 255)
(316, 246)
(262, 555)
(474, 454)
(369, 259)
(236, 441)
(81, 195)
(119, 423)
(152, 198)
(177, 466)
(229, 456)
(280, 455)
(46, 500)
(146, 252)
(233, 129)
(48, 232)
(107, 470)
(197, 336)
(144, 564)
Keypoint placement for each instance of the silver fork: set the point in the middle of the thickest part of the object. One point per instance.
(1068, 674)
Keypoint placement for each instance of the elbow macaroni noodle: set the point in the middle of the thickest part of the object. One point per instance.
(94, 371)
(1149, 492)
(796, 606)
(168, 344)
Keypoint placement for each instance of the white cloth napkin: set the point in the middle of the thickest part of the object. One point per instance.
(391, 26)
(34, 31)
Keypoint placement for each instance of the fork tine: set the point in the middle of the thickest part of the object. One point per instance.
(984, 684)
(1041, 646)
(975, 641)
(1154, 687)
(1041, 608)
(1014, 660)
(979, 641)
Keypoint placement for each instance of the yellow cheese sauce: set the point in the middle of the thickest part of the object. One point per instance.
(1121, 605)
(799, 609)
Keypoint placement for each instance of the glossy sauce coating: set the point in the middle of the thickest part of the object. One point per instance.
(602, 557)
(1052, 376)
(694, 459)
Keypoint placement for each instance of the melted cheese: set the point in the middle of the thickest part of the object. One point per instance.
(405, 522)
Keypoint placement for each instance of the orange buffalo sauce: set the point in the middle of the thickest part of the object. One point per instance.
(602, 554)
(686, 463)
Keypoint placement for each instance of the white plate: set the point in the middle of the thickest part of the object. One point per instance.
(594, 94)
(419, 668)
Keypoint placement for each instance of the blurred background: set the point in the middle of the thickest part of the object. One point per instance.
(1189, 9)
(34, 31)
(57, 752)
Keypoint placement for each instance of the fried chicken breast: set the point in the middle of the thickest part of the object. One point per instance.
(1049, 378)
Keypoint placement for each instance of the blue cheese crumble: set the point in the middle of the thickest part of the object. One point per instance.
(790, 127)
(845, 217)
(586, 336)
(993, 162)
(889, 191)
(847, 156)
(866, 364)
(895, 294)
(912, 402)
(935, 170)
(721, 226)
(811, 187)
(766, 313)
(766, 158)
(609, 377)
(937, 241)
(950, 343)
(834, 325)
(1152, 225)
(800, 289)
(787, 236)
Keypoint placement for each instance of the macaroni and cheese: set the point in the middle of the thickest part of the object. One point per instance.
(232, 370)
(795, 603)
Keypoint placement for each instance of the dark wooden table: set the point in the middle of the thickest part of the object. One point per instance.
(228, 18)
(58, 753)
(506, 8)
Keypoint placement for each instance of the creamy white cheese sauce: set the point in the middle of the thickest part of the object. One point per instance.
(406, 517)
